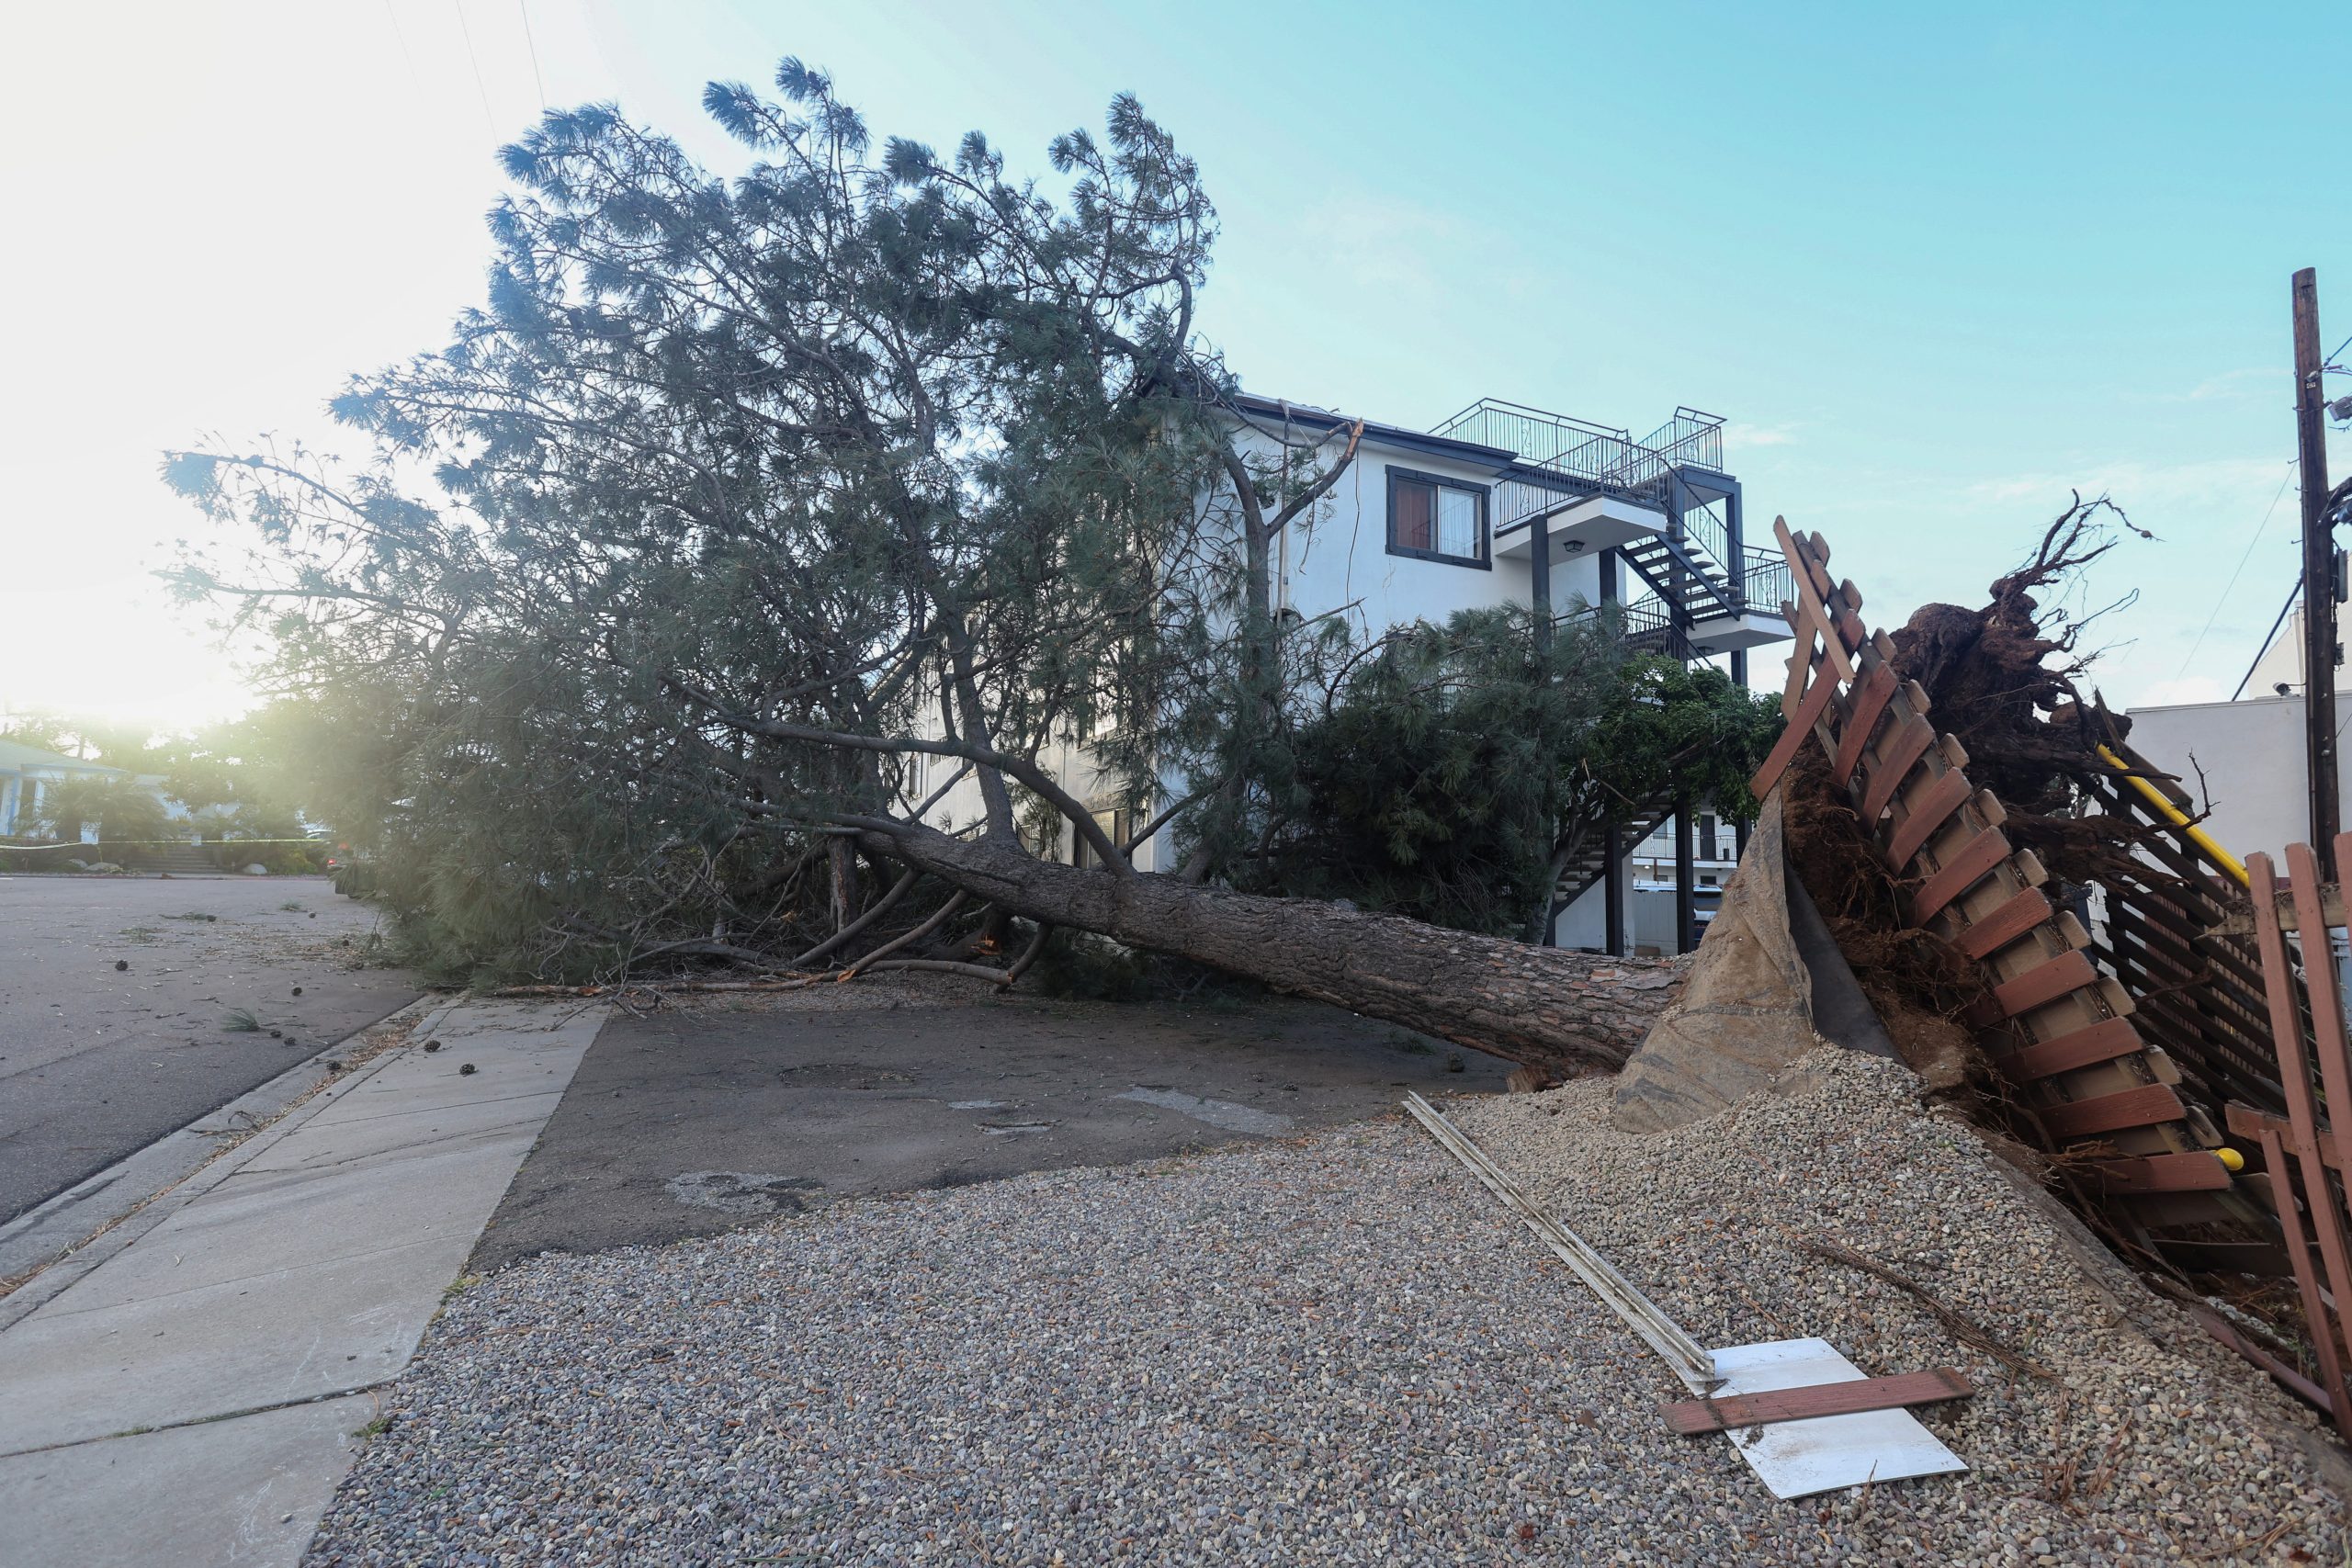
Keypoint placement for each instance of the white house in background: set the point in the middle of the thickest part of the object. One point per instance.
(27, 775)
(1504, 505)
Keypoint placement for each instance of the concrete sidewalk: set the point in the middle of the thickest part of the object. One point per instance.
(193, 1397)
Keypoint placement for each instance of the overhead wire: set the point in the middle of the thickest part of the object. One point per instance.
(480, 87)
(2244, 555)
(2292, 595)
(533, 45)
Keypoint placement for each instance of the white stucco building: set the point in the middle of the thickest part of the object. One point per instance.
(1503, 504)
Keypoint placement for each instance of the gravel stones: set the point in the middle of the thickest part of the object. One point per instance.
(1335, 1350)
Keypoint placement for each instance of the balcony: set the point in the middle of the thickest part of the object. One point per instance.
(1575, 523)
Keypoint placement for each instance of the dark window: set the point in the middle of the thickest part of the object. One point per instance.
(1436, 518)
(1113, 823)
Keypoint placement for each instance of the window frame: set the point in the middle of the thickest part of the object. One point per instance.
(1484, 561)
(1082, 853)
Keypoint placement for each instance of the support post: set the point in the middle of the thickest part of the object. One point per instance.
(2319, 575)
(1539, 578)
(1677, 608)
(1686, 879)
(1612, 882)
(1735, 544)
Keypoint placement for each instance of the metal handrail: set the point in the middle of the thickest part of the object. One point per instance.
(1693, 438)
(1766, 585)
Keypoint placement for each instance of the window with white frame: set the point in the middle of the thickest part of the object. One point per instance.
(1433, 517)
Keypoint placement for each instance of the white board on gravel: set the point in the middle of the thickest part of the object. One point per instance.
(1796, 1459)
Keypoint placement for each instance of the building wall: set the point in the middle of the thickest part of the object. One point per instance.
(1341, 556)
(1336, 559)
(2252, 756)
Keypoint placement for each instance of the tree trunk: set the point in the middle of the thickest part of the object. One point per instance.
(843, 865)
(1564, 1014)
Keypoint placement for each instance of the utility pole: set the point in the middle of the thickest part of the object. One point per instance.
(2319, 576)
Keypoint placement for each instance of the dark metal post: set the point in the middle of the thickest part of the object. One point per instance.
(1678, 600)
(2319, 576)
(1734, 544)
(1609, 593)
(1612, 883)
(1686, 880)
(1539, 578)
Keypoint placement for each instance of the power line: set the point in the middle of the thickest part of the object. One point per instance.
(2245, 556)
(415, 81)
(2292, 595)
(532, 44)
(489, 118)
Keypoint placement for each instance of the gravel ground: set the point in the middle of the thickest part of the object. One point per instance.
(1335, 1350)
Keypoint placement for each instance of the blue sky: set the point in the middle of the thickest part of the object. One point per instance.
(1936, 267)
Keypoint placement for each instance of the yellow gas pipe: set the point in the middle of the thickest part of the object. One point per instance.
(2172, 814)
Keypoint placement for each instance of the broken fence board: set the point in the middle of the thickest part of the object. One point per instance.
(1905, 747)
(2026, 908)
(1977, 860)
(2102, 1042)
(1870, 699)
(2139, 1106)
(1932, 810)
(2038, 986)
(2198, 1172)
(1792, 739)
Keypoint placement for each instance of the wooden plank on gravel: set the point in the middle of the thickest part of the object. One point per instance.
(1694, 1417)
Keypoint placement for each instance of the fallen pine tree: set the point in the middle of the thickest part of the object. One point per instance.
(768, 536)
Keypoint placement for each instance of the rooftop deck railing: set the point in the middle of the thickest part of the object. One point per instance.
(1590, 458)
(1576, 448)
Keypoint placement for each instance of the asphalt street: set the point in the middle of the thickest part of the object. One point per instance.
(114, 992)
(692, 1121)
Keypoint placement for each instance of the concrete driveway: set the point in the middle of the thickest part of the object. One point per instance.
(96, 1062)
(699, 1118)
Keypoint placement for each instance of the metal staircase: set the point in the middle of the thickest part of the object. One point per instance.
(1693, 558)
(1696, 565)
(1591, 863)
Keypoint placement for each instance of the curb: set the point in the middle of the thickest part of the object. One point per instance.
(166, 1176)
